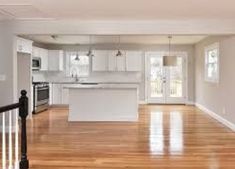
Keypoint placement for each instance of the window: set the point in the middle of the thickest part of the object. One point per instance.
(77, 64)
(212, 63)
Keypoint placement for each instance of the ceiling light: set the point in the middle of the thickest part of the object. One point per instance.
(55, 37)
(169, 60)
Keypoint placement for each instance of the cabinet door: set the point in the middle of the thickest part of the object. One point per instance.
(44, 59)
(121, 62)
(55, 60)
(65, 96)
(56, 94)
(36, 52)
(112, 64)
(99, 60)
(134, 60)
(116, 63)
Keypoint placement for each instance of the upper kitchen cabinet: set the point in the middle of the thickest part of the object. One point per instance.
(55, 60)
(44, 59)
(116, 63)
(134, 60)
(43, 54)
(24, 45)
(100, 60)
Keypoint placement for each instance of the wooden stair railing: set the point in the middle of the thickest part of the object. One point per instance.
(22, 105)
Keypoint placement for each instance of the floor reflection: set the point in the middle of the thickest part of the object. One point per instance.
(156, 133)
(176, 133)
(173, 132)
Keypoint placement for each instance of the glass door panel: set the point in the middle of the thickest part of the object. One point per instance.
(176, 79)
(165, 84)
(156, 77)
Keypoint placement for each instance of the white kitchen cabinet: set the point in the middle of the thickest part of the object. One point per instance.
(112, 64)
(116, 63)
(44, 59)
(24, 45)
(50, 94)
(36, 52)
(56, 93)
(55, 60)
(43, 54)
(65, 95)
(134, 60)
(100, 60)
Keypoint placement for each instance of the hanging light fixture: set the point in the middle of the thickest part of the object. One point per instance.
(89, 53)
(119, 53)
(169, 60)
(77, 57)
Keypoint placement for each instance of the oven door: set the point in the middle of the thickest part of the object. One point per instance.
(42, 95)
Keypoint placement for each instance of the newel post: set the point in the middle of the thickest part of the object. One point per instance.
(23, 113)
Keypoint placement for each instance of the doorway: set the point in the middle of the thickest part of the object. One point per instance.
(166, 84)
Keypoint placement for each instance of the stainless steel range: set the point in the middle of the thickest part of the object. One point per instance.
(40, 96)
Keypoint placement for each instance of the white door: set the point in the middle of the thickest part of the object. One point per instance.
(165, 84)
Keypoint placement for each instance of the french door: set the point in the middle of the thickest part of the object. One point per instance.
(165, 84)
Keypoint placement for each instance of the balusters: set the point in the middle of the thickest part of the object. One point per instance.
(10, 139)
(3, 141)
(7, 112)
(16, 140)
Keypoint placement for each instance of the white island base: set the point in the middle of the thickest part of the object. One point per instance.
(102, 103)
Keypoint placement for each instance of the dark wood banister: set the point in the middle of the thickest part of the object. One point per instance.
(23, 113)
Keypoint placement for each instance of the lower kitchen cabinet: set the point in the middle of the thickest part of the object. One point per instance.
(65, 95)
(59, 94)
(56, 93)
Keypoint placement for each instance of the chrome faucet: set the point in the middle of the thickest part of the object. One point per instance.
(77, 78)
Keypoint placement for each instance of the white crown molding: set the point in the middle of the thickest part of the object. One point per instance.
(216, 116)
(177, 27)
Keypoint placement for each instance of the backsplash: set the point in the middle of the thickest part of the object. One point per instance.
(109, 77)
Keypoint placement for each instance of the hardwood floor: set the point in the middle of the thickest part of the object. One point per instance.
(176, 137)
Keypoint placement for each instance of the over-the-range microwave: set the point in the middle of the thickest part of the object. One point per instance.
(36, 63)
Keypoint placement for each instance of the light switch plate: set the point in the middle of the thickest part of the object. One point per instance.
(2, 77)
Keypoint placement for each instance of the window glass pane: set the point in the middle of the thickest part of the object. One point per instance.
(211, 63)
(78, 64)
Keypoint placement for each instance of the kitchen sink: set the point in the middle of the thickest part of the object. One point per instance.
(87, 83)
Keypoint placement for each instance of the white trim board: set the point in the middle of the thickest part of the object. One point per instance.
(216, 116)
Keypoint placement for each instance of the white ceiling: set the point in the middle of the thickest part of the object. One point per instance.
(118, 9)
(128, 39)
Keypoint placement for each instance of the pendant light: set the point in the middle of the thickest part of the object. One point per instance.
(77, 57)
(89, 53)
(169, 60)
(119, 53)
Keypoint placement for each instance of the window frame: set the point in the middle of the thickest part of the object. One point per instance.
(68, 67)
(206, 67)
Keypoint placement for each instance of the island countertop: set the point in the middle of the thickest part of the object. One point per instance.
(101, 86)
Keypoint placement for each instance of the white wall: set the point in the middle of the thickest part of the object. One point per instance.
(218, 98)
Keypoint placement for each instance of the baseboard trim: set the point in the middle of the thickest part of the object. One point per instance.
(190, 103)
(216, 116)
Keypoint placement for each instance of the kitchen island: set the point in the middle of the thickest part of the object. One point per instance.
(103, 102)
